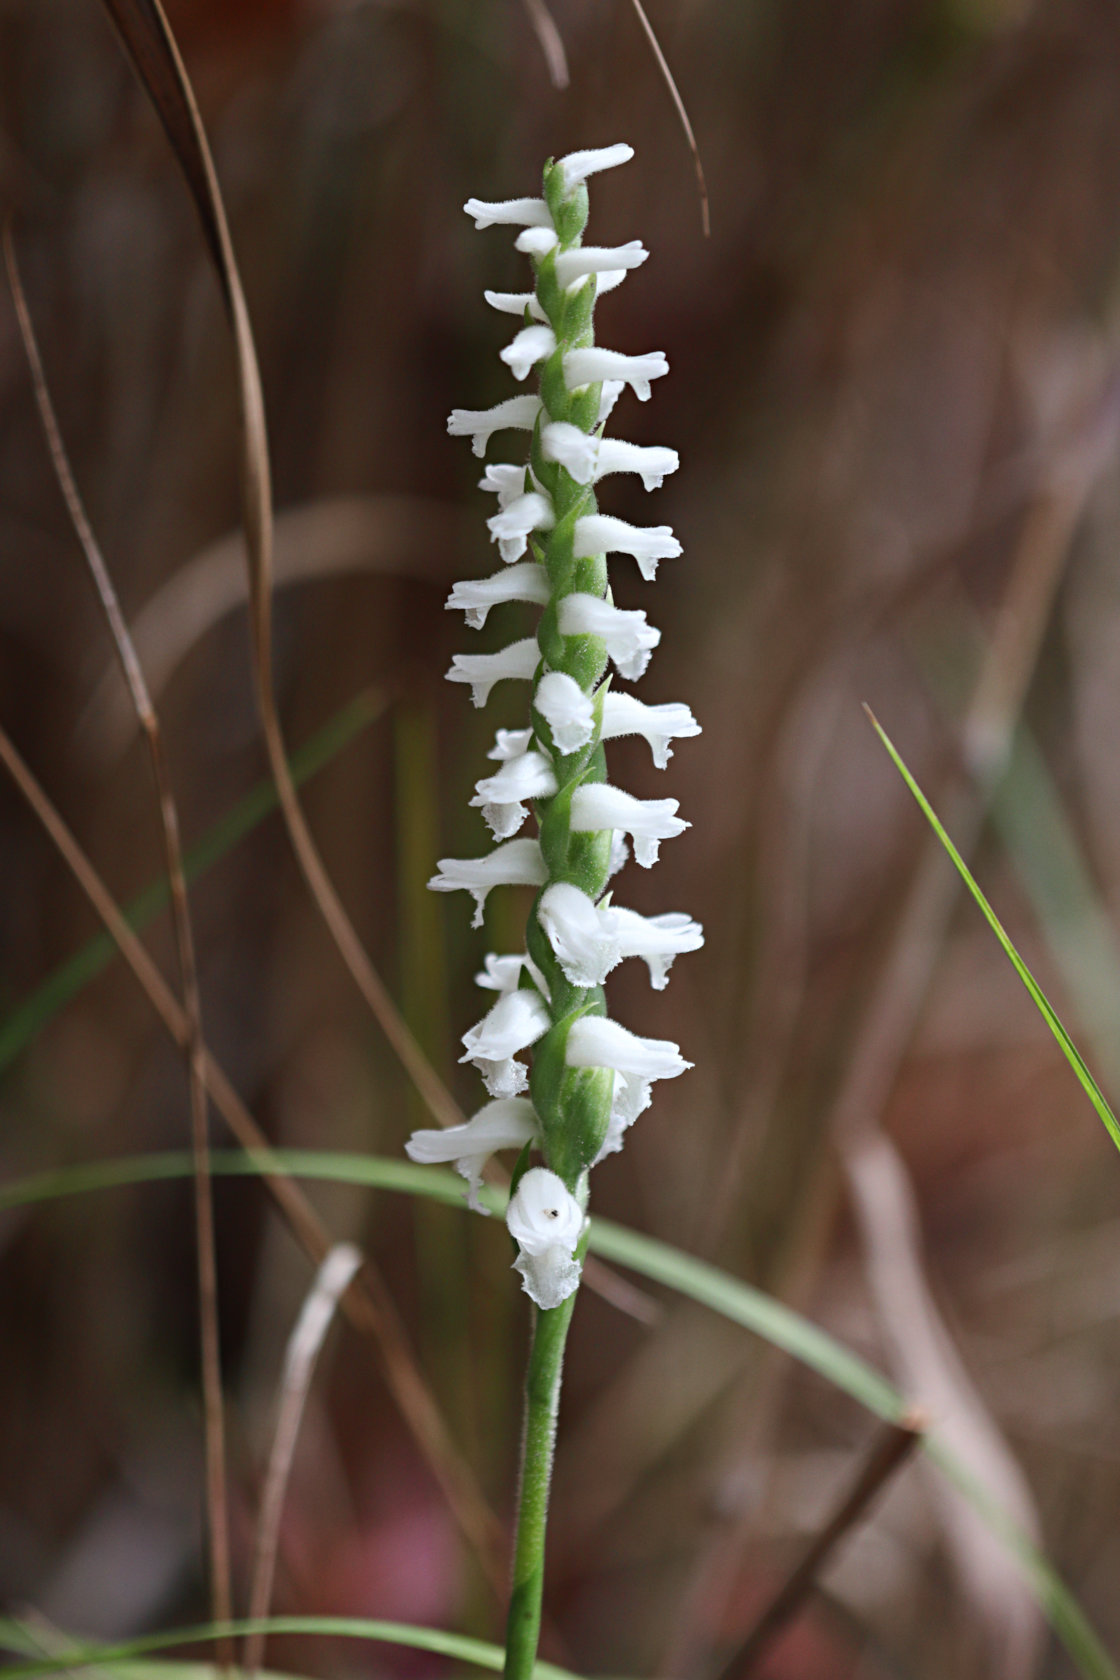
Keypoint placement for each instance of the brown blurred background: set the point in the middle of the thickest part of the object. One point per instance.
(895, 392)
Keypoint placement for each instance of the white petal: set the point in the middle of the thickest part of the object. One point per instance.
(582, 934)
(607, 279)
(595, 1041)
(511, 212)
(508, 482)
(589, 458)
(537, 241)
(517, 1020)
(500, 974)
(651, 460)
(511, 526)
(584, 367)
(598, 805)
(630, 640)
(503, 974)
(519, 863)
(507, 1123)
(572, 448)
(601, 533)
(516, 413)
(483, 670)
(546, 1222)
(501, 796)
(567, 710)
(510, 743)
(475, 596)
(532, 345)
(577, 166)
(597, 259)
(609, 395)
(516, 303)
(624, 715)
(656, 939)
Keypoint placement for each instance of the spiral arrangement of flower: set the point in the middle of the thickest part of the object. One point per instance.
(590, 1077)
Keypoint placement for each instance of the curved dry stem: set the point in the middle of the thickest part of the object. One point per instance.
(213, 1424)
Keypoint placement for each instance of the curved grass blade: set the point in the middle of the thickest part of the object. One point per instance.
(478, 1652)
(1041, 1001)
(661, 1263)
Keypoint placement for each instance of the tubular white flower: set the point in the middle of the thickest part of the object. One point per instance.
(656, 939)
(517, 1020)
(505, 1123)
(630, 640)
(537, 241)
(503, 974)
(566, 709)
(510, 743)
(583, 935)
(619, 853)
(475, 596)
(589, 458)
(595, 1041)
(510, 527)
(532, 345)
(519, 863)
(507, 481)
(501, 796)
(546, 1222)
(572, 266)
(515, 414)
(624, 715)
(585, 367)
(516, 303)
(483, 670)
(601, 533)
(577, 166)
(597, 805)
(511, 212)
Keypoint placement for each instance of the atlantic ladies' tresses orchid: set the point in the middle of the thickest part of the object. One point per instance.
(502, 796)
(519, 863)
(590, 1078)
(629, 640)
(546, 1222)
(483, 670)
(517, 1020)
(505, 1123)
(475, 596)
(598, 805)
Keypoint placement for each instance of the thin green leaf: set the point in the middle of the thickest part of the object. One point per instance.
(478, 1652)
(1042, 1002)
(21, 1026)
(661, 1263)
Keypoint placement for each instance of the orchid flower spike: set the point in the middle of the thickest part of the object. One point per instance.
(545, 1031)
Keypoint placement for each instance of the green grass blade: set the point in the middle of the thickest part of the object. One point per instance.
(1041, 1001)
(657, 1261)
(20, 1027)
(478, 1652)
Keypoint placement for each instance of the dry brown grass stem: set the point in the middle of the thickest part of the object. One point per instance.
(368, 1305)
(331, 1282)
(217, 1512)
(543, 25)
(682, 113)
(892, 1446)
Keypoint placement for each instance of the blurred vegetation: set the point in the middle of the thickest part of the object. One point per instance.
(896, 394)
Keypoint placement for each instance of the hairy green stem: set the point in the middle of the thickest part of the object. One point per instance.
(542, 1403)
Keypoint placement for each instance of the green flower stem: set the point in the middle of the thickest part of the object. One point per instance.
(542, 1403)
